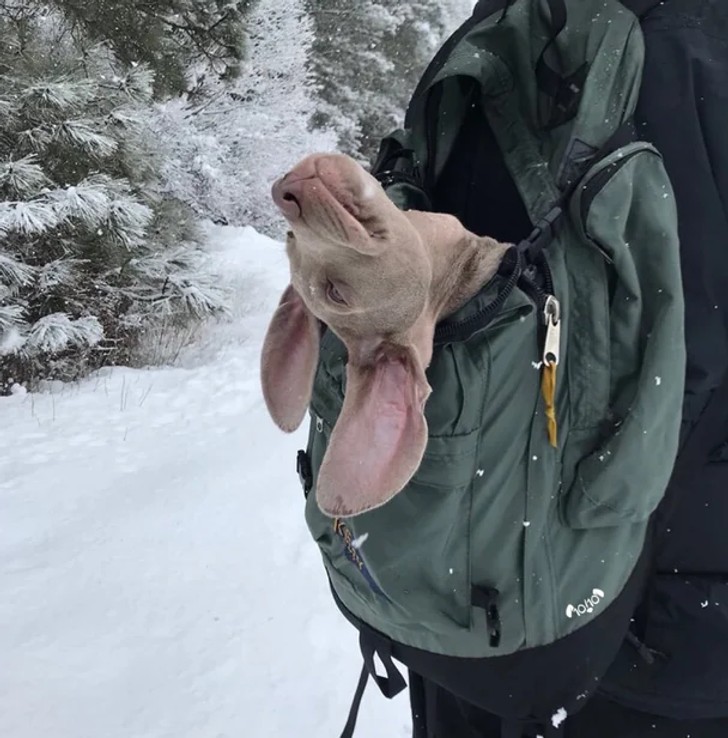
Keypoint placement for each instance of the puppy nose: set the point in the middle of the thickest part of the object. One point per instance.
(286, 194)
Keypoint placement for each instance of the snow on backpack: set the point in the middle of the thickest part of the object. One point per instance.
(557, 390)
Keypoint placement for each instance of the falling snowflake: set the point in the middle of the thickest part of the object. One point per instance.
(558, 717)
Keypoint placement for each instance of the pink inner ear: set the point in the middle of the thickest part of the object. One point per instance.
(379, 439)
(288, 362)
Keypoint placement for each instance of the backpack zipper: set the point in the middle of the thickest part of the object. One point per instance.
(461, 330)
(595, 185)
(551, 355)
(550, 311)
(552, 341)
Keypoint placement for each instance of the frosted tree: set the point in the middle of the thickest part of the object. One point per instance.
(226, 151)
(323, 75)
(170, 37)
(367, 59)
(92, 254)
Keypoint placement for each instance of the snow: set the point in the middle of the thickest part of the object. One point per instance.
(157, 575)
(558, 717)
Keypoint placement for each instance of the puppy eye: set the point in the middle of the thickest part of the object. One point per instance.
(333, 294)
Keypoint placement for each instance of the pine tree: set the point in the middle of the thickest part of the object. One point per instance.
(225, 152)
(91, 254)
(170, 37)
(367, 58)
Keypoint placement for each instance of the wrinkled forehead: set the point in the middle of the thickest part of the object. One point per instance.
(397, 260)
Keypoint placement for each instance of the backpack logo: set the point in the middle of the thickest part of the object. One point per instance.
(587, 606)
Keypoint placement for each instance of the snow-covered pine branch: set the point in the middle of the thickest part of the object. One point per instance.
(58, 332)
(14, 274)
(81, 206)
(28, 218)
(61, 95)
(22, 178)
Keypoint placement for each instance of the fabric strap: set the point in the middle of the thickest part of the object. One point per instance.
(390, 685)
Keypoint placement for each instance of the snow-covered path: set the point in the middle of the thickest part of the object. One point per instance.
(156, 576)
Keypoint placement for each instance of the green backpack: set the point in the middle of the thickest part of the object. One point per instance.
(557, 390)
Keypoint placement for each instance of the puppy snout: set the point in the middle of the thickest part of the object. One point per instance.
(286, 193)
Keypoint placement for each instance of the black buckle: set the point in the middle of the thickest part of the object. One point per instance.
(486, 598)
(304, 471)
(543, 233)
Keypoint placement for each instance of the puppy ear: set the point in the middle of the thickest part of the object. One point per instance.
(380, 436)
(288, 362)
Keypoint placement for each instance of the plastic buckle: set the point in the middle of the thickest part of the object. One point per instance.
(543, 233)
(304, 471)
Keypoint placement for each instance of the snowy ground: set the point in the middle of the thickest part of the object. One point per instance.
(156, 576)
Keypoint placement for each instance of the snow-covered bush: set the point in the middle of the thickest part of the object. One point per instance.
(92, 253)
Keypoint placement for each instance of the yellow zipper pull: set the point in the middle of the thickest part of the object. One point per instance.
(551, 351)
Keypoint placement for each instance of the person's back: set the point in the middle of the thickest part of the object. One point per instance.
(553, 493)
(671, 676)
(673, 668)
(675, 671)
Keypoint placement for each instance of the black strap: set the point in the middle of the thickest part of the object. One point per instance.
(486, 598)
(348, 731)
(546, 228)
(370, 644)
(625, 134)
(641, 7)
(481, 11)
(390, 686)
(549, 81)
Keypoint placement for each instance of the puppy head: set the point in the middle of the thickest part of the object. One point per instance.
(358, 265)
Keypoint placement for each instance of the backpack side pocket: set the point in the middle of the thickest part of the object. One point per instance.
(626, 359)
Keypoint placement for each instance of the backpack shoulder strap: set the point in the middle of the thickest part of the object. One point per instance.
(482, 10)
(641, 7)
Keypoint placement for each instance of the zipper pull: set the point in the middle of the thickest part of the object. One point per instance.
(552, 344)
(551, 356)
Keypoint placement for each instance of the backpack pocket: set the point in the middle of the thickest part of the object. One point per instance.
(377, 560)
(625, 359)
(408, 568)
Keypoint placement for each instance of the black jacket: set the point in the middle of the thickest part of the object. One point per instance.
(683, 109)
